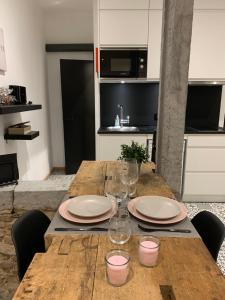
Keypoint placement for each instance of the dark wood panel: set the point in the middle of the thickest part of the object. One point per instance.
(69, 47)
(9, 109)
(27, 136)
(77, 85)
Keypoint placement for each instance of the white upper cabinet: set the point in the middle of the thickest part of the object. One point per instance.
(156, 4)
(154, 43)
(124, 4)
(124, 27)
(207, 58)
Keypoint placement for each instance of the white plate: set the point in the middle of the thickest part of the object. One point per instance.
(75, 219)
(180, 217)
(157, 207)
(89, 206)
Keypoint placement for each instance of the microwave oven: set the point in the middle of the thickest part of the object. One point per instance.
(123, 62)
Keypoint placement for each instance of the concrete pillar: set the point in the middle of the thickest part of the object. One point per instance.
(175, 53)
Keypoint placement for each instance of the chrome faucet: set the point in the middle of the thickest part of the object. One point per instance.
(122, 120)
(121, 114)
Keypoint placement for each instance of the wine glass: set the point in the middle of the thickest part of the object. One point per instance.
(119, 231)
(115, 190)
(129, 174)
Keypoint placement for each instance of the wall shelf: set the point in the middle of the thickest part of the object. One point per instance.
(27, 136)
(9, 109)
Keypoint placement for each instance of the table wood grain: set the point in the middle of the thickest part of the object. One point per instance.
(74, 268)
(90, 180)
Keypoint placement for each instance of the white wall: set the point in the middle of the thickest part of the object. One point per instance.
(55, 102)
(68, 27)
(22, 24)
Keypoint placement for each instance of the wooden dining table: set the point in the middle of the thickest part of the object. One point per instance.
(73, 266)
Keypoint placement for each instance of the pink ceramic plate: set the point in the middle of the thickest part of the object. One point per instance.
(181, 216)
(72, 218)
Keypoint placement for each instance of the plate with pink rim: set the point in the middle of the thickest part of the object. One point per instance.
(181, 216)
(65, 214)
(157, 207)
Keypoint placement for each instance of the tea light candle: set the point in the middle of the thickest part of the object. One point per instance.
(148, 251)
(117, 267)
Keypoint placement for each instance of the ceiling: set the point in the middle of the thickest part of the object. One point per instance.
(79, 5)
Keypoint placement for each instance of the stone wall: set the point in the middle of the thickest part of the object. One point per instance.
(8, 268)
(8, 272)
(14, 201)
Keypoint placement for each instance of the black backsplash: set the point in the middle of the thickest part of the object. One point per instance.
(203, 106)
(139, 100)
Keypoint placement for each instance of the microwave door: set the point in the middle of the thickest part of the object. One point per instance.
(119, 64)
(121, 67)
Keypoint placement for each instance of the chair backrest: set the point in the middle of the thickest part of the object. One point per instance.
(211, 230)
(28, 238)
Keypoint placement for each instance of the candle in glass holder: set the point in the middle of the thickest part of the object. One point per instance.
(117, 267)
(148, 251)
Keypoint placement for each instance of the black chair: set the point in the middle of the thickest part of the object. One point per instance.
(211, 230)
(28, 238)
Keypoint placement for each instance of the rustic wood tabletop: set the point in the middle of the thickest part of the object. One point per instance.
(74, 265)
(74, 268)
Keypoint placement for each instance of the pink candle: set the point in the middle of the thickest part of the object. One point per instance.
(148, 251)
(117, 268)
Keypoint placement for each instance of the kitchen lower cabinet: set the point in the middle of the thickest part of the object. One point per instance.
(204, 175)
(109, 146)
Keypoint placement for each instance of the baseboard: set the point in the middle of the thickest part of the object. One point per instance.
(55, 169)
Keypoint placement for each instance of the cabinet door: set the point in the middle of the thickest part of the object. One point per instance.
(204, 184)
(207, 58)
(124, 4)
(154, 43)
(124, 27)
(206, 141)
(205, 169)
(205, 160)
(110, 145)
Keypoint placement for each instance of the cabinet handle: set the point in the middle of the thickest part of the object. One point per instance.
(96, 59)
(183, 167)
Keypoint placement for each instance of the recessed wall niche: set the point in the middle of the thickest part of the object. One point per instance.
(139, 101)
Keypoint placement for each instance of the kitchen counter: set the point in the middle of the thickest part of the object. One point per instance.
(190, 130)
(151, 129)
(139, 130)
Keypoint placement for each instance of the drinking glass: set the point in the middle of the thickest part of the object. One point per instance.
(115, 190)
(129, 174)
(119, 227)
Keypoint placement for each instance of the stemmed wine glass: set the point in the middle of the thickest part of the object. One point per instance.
(129, 174)
(115, 189)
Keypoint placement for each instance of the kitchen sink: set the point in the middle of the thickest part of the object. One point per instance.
(124, 128)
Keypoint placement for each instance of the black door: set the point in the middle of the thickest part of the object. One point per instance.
(77, 84)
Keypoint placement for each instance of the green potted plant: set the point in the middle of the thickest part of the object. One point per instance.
(134, 151)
